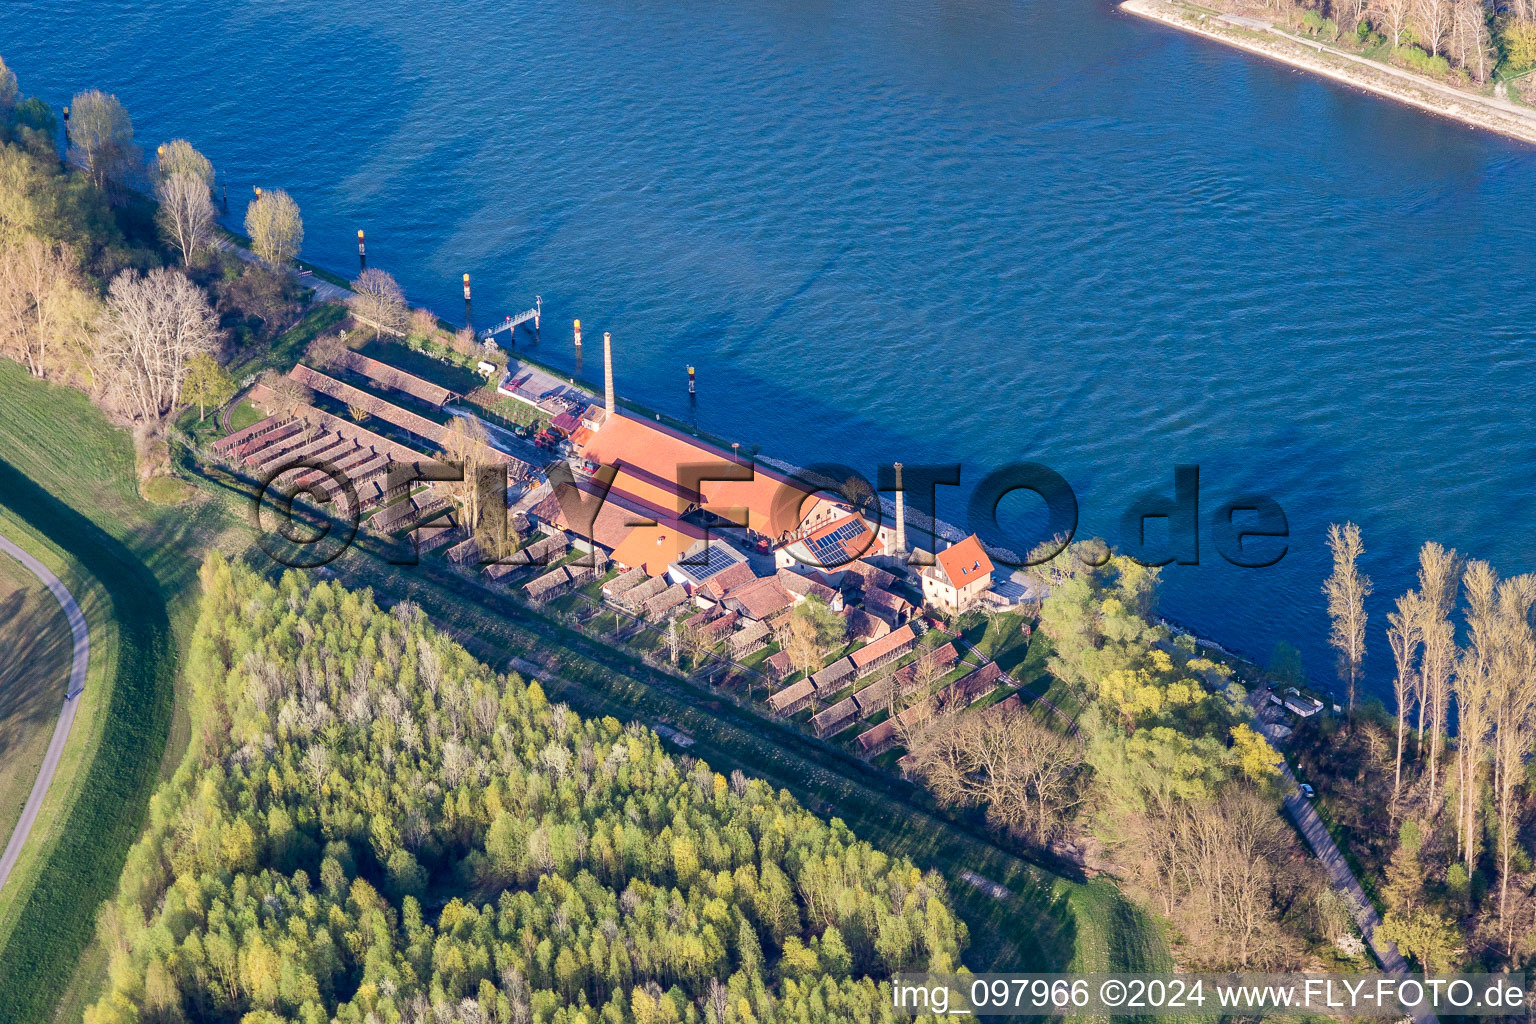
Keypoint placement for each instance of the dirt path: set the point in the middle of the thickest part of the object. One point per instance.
(81, 659)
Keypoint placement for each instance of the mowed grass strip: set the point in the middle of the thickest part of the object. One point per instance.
(67, 482)
(37, 643)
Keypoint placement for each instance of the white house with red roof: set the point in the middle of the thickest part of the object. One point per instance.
(961, 573)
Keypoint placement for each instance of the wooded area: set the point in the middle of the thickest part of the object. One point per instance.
(372, 823)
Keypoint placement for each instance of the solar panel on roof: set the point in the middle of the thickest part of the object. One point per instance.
(715, 561)
(830, 548)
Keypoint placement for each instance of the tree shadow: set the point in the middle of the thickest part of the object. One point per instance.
(35, 673)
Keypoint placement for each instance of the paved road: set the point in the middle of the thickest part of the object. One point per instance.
(1306, 818)
(82, 657)
(324, 290)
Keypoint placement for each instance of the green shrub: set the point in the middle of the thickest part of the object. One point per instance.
(1517, 45)
(1315, 24)
(1421, 61)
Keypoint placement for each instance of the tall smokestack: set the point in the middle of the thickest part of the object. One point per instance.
(608, 372)
(901, 515)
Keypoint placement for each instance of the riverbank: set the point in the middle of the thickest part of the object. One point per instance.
(1267, 40)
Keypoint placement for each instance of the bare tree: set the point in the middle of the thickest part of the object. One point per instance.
(1439, 576)
(1393, 16)
(152, 327)
(380, 303)
(186, 213)
(1469, 39)
(1021, 771)
(1514, 700)
(275, 227)
(1404, 631)
(289, 397)
(485, 519)
(1347, 588)
(1432, 18)
(101, 136)
(45, 308)
(1348, 12)
(1474, 699)
(797, 636)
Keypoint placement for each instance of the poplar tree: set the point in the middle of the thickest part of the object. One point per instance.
(275, 227)
(1346, 589)
(1474, 693)
(1403, 634)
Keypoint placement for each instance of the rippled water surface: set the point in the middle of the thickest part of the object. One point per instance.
(973, 231)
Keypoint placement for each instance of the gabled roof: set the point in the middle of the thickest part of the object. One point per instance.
(833, 676)
(790, 695)
(864, 626)
(885, 601)
(761, 598)
(620, 585)
(655, 547)
(773, 506)
(804, 586)
(652, 491)
(964, 563)
(638, 595)
(721, 624)
(665, 601)
(567, 422)
(863, 574)
(394, 377)
(893, 641)
(616, 517)
(750, 633)
(972, 687)
(717, 586)
(834, 717)
(779, 664)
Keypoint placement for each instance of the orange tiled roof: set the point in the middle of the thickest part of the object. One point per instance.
(965, 563)
(655, 547)
(885, 645)
(652, 491)
(773, 507)
(616, 517)
(727, 579)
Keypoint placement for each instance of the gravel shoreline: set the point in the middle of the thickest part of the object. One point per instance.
(1486, 112)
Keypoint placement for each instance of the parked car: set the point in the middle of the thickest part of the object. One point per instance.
(1307, 791)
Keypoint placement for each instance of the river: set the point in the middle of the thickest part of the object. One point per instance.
(972, 231)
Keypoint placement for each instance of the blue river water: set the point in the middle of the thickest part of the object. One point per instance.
(972, 230)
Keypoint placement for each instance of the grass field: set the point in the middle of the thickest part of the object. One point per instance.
(68, 495)
(36, 639)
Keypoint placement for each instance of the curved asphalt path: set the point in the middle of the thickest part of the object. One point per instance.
(82, 657)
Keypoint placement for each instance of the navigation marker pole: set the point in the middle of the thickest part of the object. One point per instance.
(362, 254)
(576, 326)
(469, 320)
